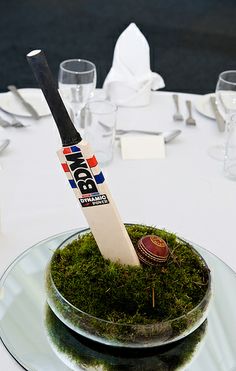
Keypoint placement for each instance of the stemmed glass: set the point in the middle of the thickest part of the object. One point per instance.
(226, 103)
(77, 81)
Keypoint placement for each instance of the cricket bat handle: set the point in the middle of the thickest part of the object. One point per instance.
(38, 62)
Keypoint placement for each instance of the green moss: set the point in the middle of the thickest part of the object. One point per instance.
(127, 294)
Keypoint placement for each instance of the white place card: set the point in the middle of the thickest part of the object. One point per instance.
(142, 147)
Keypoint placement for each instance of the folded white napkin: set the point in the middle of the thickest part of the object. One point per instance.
(130, 79)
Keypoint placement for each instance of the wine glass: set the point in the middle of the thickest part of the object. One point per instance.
(77, 81)
(226, 103)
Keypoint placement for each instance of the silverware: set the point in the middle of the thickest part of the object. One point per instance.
(219, 118)
(27, 105)
(168, 135)
(14, 123)
(4, 123)
(3, 144)
(177, 116)
(190, 120)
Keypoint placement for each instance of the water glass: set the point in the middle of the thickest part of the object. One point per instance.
(77, 81)
(230, 149)
(226, 102)
(100, 128)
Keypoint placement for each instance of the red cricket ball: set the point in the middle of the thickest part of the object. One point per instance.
(152, 250)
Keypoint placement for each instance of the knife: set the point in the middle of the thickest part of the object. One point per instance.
(219, 119)
(27, 105)
(167, 135)
(3, 144)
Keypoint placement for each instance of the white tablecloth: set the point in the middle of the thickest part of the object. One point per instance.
(186, 192)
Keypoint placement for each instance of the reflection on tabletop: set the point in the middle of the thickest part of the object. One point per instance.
(23, 327)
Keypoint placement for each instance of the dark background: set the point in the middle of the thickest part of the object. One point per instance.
(191, 42)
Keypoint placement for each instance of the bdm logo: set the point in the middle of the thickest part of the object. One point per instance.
(84, 179)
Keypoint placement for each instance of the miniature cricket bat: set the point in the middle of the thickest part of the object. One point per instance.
(84, 175)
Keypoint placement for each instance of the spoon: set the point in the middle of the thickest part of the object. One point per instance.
(167, 135)
(3, 144)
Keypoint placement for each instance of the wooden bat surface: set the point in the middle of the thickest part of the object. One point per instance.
(90, 188)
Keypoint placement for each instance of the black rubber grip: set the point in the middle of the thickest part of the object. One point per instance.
(68, 133)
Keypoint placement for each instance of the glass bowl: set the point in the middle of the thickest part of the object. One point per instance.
(125, 335)
(78, 353)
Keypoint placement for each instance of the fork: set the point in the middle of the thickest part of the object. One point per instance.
(4, 123)
(16, 123)
(177, 116)
(190, 120)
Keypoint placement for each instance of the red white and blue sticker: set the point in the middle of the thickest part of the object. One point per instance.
(83, 175)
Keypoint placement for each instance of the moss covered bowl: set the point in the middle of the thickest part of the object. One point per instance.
(124, 306)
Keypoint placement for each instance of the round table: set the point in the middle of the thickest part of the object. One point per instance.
(185, 192)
